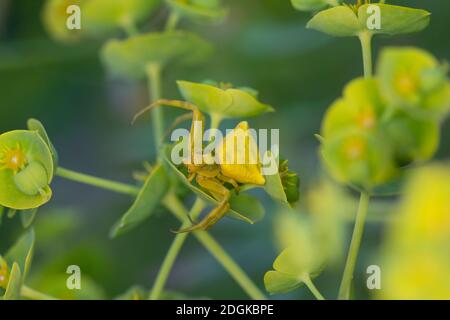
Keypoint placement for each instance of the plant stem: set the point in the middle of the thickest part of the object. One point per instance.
(155, 92)
(97, 182)
(173, 252)
(308, 282)
(172, 21)
(216, 120)
(177, 208)
(366, 46)
(174, 205)
(347, 277)
(32, 294)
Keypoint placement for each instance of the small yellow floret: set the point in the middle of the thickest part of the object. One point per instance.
(13, 159)
(405, 84)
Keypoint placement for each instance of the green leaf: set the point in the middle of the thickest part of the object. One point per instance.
(22, 252)
(202, 11)
(395, 19)
(312, 5)
(277, 282)
(27, 217)
(104, 16)
(339, 21)
(248, 204)
(36, 125)
(254, 211)
(14, 285)
(131, 57)
(225, 103)
(274, 187)
(296, 260)
(2, 211)
(151, 194)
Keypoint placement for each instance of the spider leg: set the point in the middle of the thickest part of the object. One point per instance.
(214, 186)
(231, 181)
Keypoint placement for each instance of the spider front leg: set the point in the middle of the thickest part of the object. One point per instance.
(222, 194)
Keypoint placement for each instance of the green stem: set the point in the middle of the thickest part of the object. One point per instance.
(97, 182)
(344, 290)
(172, 21)
(174, 205)
(216, 120)
(366, 46)
(32, 294)
(155, 92)
(173, 252)
(177, 208)
(308, 282)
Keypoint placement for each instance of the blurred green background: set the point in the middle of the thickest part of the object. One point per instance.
(263, 44)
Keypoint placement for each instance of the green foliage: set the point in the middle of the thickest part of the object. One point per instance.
(311, 5)
(14, 286)
(395, 19)
(384, 123)
(304, 252)
(36, 125)
(132, 57)
(26, 170)
(201, 11)
(222, 100)
(101, 17)
(151, 194)
(348, 21)
(338, 21)
(22, 252)
(18, 259)
(411, 79)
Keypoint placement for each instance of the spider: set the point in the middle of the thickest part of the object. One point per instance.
(212, 178)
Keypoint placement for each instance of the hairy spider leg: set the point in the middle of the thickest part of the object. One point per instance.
(196, 116)
(221, 194)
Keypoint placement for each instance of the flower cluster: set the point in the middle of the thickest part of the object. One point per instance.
(386, 122)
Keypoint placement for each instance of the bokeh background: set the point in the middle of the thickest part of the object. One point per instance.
(262, 44)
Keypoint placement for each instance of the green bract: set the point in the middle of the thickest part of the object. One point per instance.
(359, 158)
(412, 79)
(132, 57)
(203, 11)
(360, 107)
(312, 5)
(347, 21)
(301, 260)
(26, 170)
(413, 139)
(55, 16)
(151, 194)
(394, 19)
(104, 16)
(223, 102)
(15, 265)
